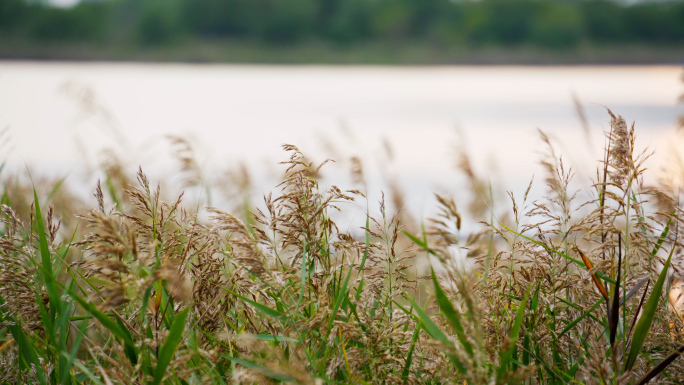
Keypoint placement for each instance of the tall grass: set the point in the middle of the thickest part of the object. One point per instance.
(141, 290)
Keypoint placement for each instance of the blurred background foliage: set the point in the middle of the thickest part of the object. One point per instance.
(130, 25)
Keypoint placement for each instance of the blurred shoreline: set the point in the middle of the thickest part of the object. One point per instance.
(319, 52)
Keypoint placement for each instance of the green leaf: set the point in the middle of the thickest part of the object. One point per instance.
(341, 295)
(55, 189)
(535, 298)
(344, 290)
(409, 356)
(46, 262)
(515, 330)
(662, 237)
(113, 327)
(169, 347)
(129, 349)
(71, 358)
(644, 324)
(419, 242)
(451, 315)
(435, 332)
(580, 318)
(267, 310)
(27, 352)
(85, 371)
(269, 337)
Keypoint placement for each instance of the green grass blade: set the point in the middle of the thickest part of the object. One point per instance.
(663, 235)
(129, 349)
(580, 318)
(535, 298)
(515, 330)
(103, 319)
(342, 294)
(644, 324)
(451, 315)
(27, 352)
(86, 371)
(418, 242)
(305, 268)
(113, 327)
(169, 346)
(265, 309)
(409, 356)
(55, 189)
(66, 251)
(46, 262)
(269, 337)
(71, 358)
(639, 306)
(435, 332)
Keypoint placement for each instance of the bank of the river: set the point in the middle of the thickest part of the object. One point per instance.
(317, 52)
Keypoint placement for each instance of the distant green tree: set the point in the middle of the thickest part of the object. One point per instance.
(12, 15)
(84, 22)
(426, 13)
(352, 21)
(550, 24)
(504, 22)
(557, 25)
(393, 20)
(662, 23)
(449, 27)
(287, 21)
(222, 18)
(604, 21)
(159, 21)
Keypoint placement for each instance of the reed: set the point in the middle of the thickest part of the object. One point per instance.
(141, 289)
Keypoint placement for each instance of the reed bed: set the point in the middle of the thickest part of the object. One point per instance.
(141, 289)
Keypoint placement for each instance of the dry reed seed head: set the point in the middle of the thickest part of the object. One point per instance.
(99, 197)
(357, 175)
(620, 154)
(263, 262)
(18, 286)
(12, 223)
(52, 227)
(185, 154)
(113, 296)
(111, 236)
(10, 372)
(447, 225)
(116, 178)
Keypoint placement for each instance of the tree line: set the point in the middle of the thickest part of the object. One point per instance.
(555, 24)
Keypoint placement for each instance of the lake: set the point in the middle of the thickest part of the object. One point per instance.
(60, 116)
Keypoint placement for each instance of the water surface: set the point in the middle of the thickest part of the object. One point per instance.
(61, 115)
